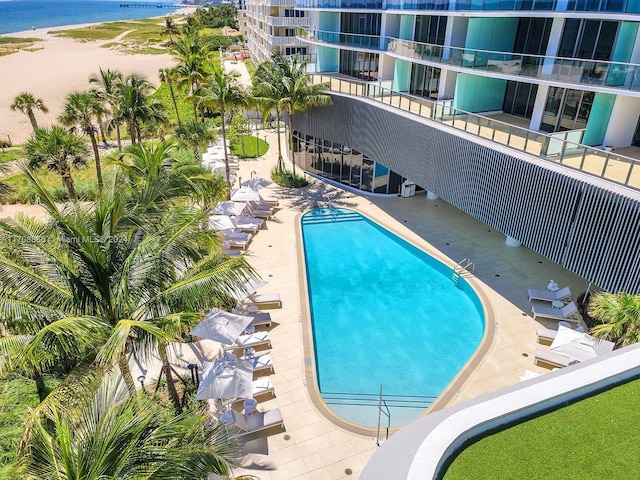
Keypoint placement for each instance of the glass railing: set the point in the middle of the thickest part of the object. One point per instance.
(565, 70)
(609, 6)
(608, 165)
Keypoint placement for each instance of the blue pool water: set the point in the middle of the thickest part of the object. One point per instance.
(383, 313)
(19, 15)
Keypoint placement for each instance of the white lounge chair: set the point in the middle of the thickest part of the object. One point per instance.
(261, 387)
(251, 220)
(231, 235)
(553, 359)
(264, 300)
(259, 206)
(245, 227)
(256, 422)
(256, 339)
(229, 244)
(269, 200)
(260, 319)
(259, 213)
(568, 312)
(547, 296)
(262, 364)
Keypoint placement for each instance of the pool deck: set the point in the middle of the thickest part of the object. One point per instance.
(312, 447)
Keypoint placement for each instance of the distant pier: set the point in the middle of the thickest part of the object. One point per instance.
(155, 5)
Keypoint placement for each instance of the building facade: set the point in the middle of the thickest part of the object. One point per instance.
(523, 114)
(271, 27)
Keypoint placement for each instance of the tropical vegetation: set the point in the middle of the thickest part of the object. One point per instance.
(28, 104)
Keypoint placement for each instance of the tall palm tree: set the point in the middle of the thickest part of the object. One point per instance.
(81, 109)
(298, 93)
(166, 75)
(195, 134)
(620, 317)
(170, 28)
(110, 435)
(107, 82)
(267, 96)
(58, 150)
(27, 103)
(191, 53)
(117, 277)
(135, 106)
(222, 93)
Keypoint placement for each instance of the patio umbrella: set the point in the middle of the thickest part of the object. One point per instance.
(579, 346)
(221, 326)
(256, 183)
(221, 222)
(229, 208)
(245, 194)
(225, 380)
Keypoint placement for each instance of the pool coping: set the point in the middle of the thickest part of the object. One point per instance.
(448, 394)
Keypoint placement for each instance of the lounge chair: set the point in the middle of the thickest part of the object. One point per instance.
(231, 235)
(269, 201)
(259, 206)
(261, 387)
(251, 220)
(547, 296)
(256, 422)
(259, 213)
(261, 319)
(229, 244)
(245, 227)
(256, 339)
(552, 359)
(546, 335)
(568, 312)
(264, 300)
(262, 364)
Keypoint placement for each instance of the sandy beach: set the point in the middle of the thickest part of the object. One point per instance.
(61, 66)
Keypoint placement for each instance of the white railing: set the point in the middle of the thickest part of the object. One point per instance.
(288, 21)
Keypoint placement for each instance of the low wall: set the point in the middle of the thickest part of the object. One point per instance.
(421, 449)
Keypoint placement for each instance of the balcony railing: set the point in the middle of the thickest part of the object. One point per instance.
(610, 166)
(616, 75)
(288, 21)
(275, 40)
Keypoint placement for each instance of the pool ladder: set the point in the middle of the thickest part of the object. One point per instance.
(463, 268)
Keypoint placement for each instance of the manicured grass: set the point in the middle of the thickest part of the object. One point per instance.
(594, 438)
(164, 95)
(250, 145)
(17, 395)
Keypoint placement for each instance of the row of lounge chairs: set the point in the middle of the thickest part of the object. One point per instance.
(554, 305)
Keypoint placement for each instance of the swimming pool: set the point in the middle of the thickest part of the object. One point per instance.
(383, 313)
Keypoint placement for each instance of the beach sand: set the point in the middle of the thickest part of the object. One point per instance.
(62, 66)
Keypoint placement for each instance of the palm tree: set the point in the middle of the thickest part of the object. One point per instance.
(166, 75)
(58, 150)
(117, 279)
(159, 178)
(81, 108)
(297, 92)
(195, 134)
(134, 105)
(108, 81)
(620, 317)
(222, 93)
(170, 28)
(27, 103)
(110, 435)
(191, 53)
(267, 96)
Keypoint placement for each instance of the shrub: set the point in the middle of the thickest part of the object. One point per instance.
(286, 178)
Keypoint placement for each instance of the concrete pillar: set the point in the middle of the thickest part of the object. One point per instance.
(538, 107)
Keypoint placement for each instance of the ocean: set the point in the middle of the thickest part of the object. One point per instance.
(19, 15)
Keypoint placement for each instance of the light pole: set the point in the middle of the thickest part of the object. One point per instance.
(141, 379)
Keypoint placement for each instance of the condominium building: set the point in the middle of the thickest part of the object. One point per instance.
(271, 26)
(522, 113)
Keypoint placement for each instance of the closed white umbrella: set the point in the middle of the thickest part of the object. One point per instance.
(225, 380)
(245, 195)
(221, 326)
(229, 208)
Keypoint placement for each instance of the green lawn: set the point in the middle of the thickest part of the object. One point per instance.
(596, 438)
(17, 395)
(250, 147)
(11, 154)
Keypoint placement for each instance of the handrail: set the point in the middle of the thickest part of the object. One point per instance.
(613, 167)
(618, 75)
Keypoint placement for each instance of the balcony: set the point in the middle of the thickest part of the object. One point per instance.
(556, 148)
(592, 73)
(288, 21)
(274, 40)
